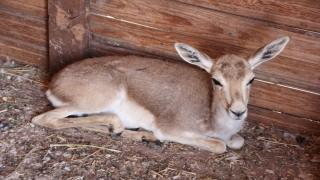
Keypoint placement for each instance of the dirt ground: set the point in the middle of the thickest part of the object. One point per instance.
(33, 152)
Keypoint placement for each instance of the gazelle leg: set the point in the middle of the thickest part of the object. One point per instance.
(210, 144)
(93, 121)
(236, 142)
(56, 119)
(138, 135)
(96, 128)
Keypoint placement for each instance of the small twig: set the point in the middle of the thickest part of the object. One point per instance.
(48, 152)
(93, 164)
(189, 172)
(89, 155)
(250, 145)
(75, 178)
(259, 157)
(49, 136)
(61, 138)
(164, 170)
(291, 173)
(19, 70)
(14, 88)
(275, 142)
(5, 110)
(196, 164)
(246, 168)
(72, 145)
(156, 173)
(181, 171)
(171, 169)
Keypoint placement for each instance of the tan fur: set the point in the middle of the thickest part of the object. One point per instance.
(174, 100)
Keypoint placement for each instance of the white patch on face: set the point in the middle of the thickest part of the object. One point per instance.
(228, 93)
(244, 94)
(237, 99)
(225, 86)
(246, 87)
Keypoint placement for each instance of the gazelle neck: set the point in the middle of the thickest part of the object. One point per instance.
(222, 126)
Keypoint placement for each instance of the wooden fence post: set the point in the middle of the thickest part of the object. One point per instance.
(68, 32)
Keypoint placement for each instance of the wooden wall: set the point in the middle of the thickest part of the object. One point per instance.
(23, 31)
(228, 26)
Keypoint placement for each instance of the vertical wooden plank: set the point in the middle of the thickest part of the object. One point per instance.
(68, 32)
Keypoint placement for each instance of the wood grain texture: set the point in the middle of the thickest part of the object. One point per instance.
(68, 33)
(23, 37)
(286, 100)
(282, 70)
(24, 25)
(302, 14)
(34, 7)
(207, 24)
(99, 50)
(28, 47)
(21, 53)
(283, 121)
(16, 36)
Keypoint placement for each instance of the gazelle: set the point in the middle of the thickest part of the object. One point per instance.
(173, 100)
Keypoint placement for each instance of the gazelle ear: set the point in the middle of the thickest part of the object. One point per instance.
(268, 52)
(193, 56)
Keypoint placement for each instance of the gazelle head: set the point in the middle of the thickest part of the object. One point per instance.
(231, 75)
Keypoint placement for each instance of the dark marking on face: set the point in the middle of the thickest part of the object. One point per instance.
(237, 95)
(142, 69)
(240, 65)
(233, 70)
(240, 68)
(250, 82)
(225, 66)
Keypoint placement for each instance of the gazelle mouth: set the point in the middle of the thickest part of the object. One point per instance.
(238, 118)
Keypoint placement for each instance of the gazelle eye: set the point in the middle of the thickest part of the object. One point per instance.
(216, 82)
(250, 82)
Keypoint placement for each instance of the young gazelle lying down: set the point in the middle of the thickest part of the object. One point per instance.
(174, 101)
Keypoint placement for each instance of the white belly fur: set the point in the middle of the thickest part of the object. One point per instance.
(133, 115)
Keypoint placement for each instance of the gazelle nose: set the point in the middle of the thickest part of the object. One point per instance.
(238, 114)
